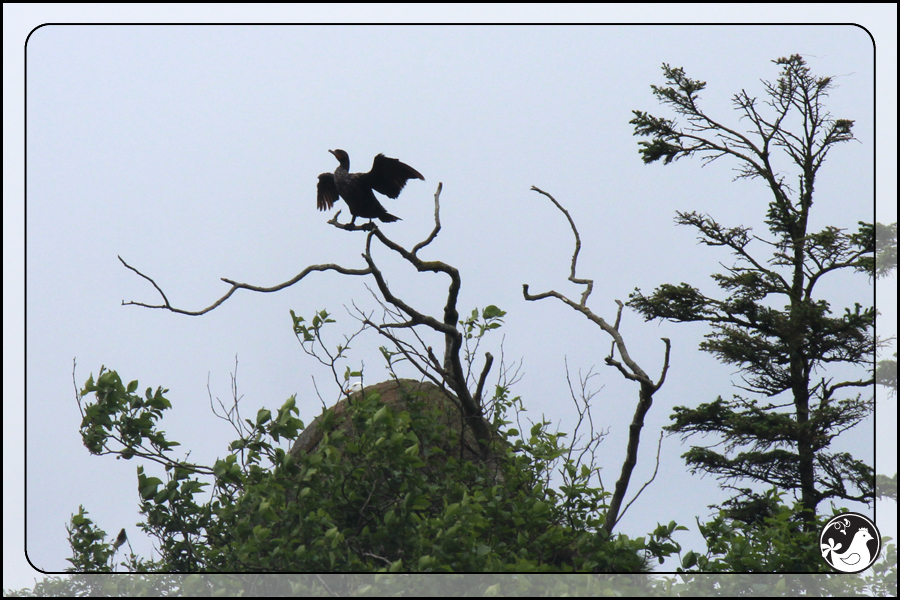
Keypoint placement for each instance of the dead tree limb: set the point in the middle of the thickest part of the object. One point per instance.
(453, 371)
(235, 286)
(627, 367)
(450, 372)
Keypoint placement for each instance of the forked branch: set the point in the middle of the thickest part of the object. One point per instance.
(235, 286)
(627, 366)
(451, 372)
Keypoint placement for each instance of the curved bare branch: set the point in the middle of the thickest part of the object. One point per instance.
(236, 286)
(630, 369)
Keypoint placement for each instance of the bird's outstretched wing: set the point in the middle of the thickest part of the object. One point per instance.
(389, 176)
(327, 192)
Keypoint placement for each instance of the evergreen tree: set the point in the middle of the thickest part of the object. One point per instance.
(772, 322)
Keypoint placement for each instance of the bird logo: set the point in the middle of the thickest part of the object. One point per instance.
(847, 543)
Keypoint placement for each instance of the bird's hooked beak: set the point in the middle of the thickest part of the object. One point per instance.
(341, 157)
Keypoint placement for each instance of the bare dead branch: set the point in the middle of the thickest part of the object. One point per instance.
(238, 286)
(612, 347)
(350, 226)
(415, 316)
(589, 283)
(488, 361)
(627, 367)
(437, 221)
(318, 393)
(416, 359)
(646, 483)
(665, 369)
(231, 415)
(450, 372)
(435, 362)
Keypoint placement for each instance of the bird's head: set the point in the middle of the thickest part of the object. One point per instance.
(342, 157)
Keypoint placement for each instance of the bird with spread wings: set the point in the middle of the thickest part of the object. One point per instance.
(388, 176)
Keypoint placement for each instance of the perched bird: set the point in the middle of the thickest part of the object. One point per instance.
(388, 176)
(120, 539)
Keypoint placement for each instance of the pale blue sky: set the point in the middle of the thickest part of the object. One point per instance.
(193, 152)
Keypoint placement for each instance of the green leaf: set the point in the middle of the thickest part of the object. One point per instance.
(492, 312)
(263, 416)
(149, 487)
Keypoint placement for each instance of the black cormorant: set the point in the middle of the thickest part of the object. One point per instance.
(388, 176)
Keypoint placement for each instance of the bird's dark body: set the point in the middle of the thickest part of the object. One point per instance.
(359, 197)
(388, 176)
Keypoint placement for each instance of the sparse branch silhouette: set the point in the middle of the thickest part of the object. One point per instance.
(235, 286)
(451, 371)
(630, 369)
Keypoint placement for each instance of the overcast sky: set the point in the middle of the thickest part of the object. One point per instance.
(193, 153)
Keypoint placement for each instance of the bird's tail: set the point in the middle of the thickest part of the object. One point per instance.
(388, 218)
